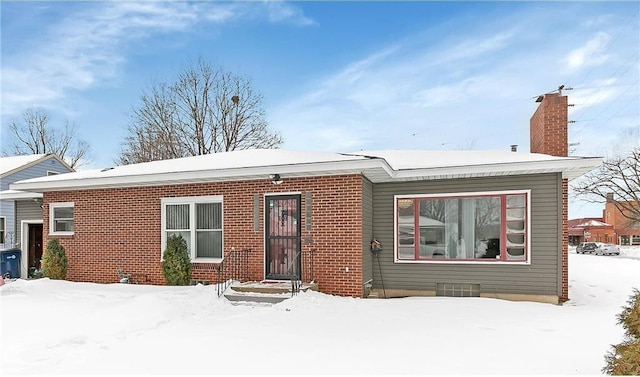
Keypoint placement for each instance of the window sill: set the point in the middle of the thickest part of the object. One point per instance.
(61, 233)
(474, 262)
(206, 260)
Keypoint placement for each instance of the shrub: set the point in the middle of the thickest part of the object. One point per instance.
(54, 261)
(624, 358)
(176, 264)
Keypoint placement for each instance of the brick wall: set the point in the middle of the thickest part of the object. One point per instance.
(548, 126)
(120, 228)
(549, 135)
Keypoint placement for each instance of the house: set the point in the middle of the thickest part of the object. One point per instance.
(21, 211)
(590, 229)
(386, 223)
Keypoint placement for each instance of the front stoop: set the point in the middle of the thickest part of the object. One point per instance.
(264, 292)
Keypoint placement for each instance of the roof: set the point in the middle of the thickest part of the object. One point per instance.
(13, 164)
(377, 166)
(16, 195)
(590, 223)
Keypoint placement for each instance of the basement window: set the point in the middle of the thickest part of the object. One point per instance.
(61, 219)
(478, 227)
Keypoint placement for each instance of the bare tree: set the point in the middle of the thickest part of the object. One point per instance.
(616, 181)
(34, 135)
(205, 110)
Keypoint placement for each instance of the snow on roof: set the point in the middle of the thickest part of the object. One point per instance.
(420, 159)
(243, 159)
(592, 223)
(8, 164)
(16, 194)
(377, 166)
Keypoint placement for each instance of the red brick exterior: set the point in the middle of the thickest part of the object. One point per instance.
(120, 228)
(548, 126)
(549, 135)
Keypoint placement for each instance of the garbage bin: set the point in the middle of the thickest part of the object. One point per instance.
(10, 263)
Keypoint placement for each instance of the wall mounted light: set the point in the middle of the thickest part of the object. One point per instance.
(276, 179)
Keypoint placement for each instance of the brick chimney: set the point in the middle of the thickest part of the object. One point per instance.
(548, 126)
(549, 135)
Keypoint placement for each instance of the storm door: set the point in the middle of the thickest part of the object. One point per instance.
(282, 238)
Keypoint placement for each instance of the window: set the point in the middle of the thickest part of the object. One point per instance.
(49, 172)
(3, 229)
(61, 218)
(199, 221)
(469, 227)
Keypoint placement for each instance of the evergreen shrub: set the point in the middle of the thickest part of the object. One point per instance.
(54, 261)
(624, 358)
(176, 264)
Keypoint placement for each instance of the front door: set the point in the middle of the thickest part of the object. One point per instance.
(35, 247)
(282, 238)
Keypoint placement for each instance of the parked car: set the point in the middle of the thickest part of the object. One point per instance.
(587, 247)
(608, 249)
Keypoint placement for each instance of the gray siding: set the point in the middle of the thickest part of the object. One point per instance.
(541, 277)
(8, 208)
(367, 230)
(37, 170)
(26, 210)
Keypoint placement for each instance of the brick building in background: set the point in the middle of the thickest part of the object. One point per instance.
(626, 231)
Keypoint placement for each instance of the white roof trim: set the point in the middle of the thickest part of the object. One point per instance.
(16, 195)
(235, 166)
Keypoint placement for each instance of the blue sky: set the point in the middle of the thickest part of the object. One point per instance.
(337, 76)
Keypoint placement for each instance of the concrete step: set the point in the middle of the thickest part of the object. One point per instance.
(266, 292)
(256, 298)
(271, 286)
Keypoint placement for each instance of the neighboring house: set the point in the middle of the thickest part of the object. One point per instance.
(485, 223)
(590, 229)
(626, 231)
(20, 211)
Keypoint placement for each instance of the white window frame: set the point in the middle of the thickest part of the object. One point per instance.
(191, 201)
(527, 194)
(52, 220)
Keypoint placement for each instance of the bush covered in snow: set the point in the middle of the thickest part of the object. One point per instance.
(54, 261)
(176, 264)
(624, 358)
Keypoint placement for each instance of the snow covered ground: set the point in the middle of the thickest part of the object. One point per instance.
(59, 327)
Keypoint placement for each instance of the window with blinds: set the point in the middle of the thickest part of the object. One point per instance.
(199, 221)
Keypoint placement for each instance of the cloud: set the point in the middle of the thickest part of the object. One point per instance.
(89, 45)
(279, 11)
(446, 88)
(397, 94)
(591, 54)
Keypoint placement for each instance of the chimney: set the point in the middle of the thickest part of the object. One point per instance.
(609, 197)
(514, 147)
(548, 126)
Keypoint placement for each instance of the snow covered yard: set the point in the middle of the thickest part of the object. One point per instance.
(59, 327)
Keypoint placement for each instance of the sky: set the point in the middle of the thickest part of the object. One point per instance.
(127, 329)
(337, 76)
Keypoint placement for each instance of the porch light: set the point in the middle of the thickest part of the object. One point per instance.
(275, 179)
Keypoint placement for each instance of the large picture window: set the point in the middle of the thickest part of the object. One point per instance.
(199, 221)
(61, 218)
(478, 227)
